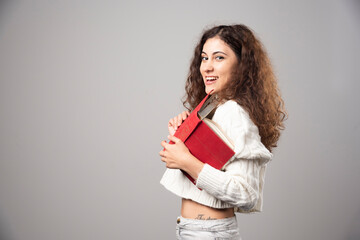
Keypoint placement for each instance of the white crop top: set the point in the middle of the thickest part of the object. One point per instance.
(241, 183)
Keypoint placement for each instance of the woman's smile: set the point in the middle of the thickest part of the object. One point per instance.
(210, 80)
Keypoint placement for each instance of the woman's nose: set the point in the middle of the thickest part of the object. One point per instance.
(208, 66)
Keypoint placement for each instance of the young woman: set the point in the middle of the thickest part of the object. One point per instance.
(230, 62)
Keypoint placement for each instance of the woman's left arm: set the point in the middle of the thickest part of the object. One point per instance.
(238, 185)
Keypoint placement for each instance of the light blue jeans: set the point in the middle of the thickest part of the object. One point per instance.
(191, 229)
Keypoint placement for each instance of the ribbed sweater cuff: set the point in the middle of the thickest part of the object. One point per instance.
(210, 179)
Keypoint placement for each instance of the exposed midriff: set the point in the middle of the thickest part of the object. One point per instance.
(194, 210)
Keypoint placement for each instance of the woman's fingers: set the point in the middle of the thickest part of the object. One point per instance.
(171, 130)
(164, 144)
(175, 122)
(162, 155)
(179, 120)
(174, 139)
(181, 117)
(171, 127)
(185, 114)
(171, 122)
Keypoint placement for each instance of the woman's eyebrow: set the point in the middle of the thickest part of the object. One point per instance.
(214, 53)
(219, 52)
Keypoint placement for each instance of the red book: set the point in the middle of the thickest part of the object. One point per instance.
(204, 138)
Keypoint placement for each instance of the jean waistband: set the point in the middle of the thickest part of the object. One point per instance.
(208, 225)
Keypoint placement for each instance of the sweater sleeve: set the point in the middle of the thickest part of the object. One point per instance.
(238, 185)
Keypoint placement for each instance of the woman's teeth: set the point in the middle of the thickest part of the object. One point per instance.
(211, 78)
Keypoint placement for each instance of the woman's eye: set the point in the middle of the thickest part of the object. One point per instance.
(219, 57)
(204, 58)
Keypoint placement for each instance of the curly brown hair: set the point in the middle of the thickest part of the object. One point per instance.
(253, 85)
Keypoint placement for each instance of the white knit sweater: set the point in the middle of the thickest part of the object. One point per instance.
(240, 183)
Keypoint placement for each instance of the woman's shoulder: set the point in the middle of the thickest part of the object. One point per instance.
(237, 124)
(229, 104)
(231, 111)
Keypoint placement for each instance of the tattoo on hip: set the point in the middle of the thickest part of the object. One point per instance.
(202, 217)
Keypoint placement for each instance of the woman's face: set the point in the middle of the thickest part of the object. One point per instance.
(217, 65)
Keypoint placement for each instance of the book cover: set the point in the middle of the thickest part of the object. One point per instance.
(205, 139)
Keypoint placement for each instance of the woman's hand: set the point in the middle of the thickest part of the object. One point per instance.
(178, 156)
(175, 122)
(174, 155)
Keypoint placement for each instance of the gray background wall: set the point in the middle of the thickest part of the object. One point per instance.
(87, 88)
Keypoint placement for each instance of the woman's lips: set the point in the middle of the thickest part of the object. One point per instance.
(210, 80)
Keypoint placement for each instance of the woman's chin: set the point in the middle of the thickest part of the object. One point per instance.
(209, 89)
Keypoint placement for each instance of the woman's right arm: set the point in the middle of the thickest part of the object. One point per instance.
(175, 122)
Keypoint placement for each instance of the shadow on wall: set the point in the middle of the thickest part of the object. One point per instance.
(355, 6)
(354, 230)
(4, 229)
(3, 7)
(3, 4)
